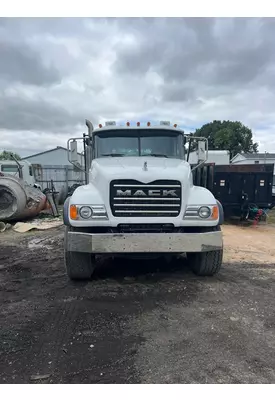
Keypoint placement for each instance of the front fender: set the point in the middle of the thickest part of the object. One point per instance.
(200, 196)
(83, 195)
(221, 213)
(86, 195)
(66, 220)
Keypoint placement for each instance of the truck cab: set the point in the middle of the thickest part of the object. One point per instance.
(139, 200)
(21, 169)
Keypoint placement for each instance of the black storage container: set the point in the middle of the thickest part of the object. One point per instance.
(238, 186)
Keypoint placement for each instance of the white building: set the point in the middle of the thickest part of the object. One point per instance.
(53, 165)
(254, 158)
(57, 156)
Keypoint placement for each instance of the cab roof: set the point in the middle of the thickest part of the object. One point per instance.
(135, 127)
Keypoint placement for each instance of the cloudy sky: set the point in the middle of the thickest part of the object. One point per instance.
(54, 73)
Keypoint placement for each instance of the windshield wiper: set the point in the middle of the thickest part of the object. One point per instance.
(157, 155)
(113, 155)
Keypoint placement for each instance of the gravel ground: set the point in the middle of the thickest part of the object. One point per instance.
(137, 322)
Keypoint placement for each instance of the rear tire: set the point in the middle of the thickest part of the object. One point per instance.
(78, 265)
(62, 195)
(206, 263)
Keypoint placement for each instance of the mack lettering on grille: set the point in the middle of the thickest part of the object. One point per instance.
(163, 193)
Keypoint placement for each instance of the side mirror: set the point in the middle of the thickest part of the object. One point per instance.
(88, 141)
(73, 151)
(201, 151)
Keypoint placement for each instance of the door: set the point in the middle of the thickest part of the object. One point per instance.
(221, 186)
(263, 188)
(248, 186)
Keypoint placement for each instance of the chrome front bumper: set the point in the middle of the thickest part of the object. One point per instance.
(113, 243)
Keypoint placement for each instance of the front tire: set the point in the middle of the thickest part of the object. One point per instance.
(206, 263)
(79, 266)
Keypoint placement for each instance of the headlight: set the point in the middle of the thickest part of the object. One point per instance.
(196, 212)
(204, 212)
(96, 211)
(85, 212)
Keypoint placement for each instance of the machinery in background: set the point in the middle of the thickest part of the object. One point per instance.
(21, 169)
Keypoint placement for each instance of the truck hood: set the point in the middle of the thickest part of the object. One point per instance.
(134, 168)
(104, 170)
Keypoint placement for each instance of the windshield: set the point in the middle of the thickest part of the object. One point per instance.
(135, 143)
(9, 168)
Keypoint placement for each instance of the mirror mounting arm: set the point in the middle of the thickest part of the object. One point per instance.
(202, 149)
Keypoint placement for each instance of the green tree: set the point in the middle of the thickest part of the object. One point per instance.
(228, 135)
(9, 155)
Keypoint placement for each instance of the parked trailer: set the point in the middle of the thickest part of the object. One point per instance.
(241, 188)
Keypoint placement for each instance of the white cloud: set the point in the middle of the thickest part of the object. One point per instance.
(57, 72)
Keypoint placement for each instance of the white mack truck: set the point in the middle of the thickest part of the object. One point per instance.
(139, 200)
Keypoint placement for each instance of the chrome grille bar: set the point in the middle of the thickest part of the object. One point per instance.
(148, 186)
(147, 198)
(147, 211)
(145, 205)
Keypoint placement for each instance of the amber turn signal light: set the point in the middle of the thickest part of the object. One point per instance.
(73, 212)
(215, 212)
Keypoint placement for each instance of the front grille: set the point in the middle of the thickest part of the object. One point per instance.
(146, 228)
(130, 198)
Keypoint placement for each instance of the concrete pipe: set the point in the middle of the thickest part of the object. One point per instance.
(19, 200)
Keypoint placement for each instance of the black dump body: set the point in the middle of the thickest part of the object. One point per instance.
(239, 188)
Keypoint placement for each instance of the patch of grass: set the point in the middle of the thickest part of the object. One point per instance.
(271, 217)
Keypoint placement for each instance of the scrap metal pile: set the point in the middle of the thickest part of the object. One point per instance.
(19, 201)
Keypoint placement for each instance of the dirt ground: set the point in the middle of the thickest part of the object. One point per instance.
(137, 322)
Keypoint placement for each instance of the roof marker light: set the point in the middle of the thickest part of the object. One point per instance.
(148, 123)
(110, 123)
(138, 123)
(128, 123)
(100, 125)
(175, 125)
